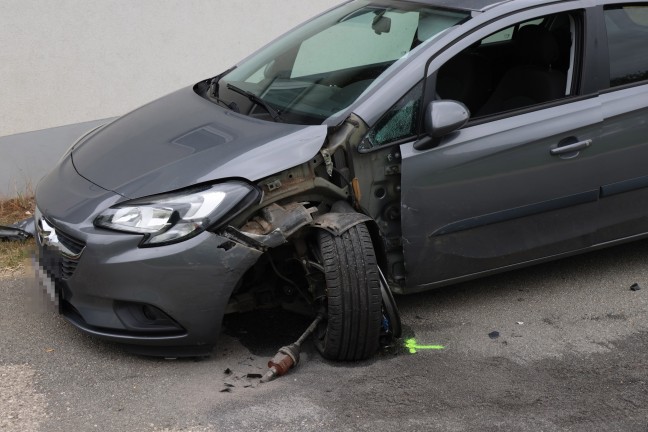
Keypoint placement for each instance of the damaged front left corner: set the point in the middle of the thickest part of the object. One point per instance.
(273, 226)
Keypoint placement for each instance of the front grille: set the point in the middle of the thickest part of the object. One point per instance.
(69, 265)
(75, 245)
(61, 265)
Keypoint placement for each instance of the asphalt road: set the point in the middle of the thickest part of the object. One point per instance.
(570, 356)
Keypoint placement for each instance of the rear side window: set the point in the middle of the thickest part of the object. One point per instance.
(627, 29)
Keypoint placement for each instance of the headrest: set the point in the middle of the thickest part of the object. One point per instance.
(536, 45)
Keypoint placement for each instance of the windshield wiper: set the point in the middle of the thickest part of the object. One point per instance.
(213, 93)
(231, 105)
(276, 116)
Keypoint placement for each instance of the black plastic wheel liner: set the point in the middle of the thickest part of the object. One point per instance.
(389, 307)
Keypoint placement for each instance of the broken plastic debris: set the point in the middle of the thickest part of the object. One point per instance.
(520, 322)
(19, 231)
(412, 346)
(635, 287)
(28, 225)
(494, 334)
(13, 234)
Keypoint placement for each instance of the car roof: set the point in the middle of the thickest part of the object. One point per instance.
(473, 5)
(479, 5)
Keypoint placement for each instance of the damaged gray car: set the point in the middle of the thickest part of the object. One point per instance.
(383, 146)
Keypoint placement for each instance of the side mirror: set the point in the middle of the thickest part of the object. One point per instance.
(441, 118)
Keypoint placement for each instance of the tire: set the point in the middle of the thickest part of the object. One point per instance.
(351, 330)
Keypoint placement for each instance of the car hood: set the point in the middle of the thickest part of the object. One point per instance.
(183, 139)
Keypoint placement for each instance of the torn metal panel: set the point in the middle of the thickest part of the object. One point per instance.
(256, 241)
(341, 218)
(273, 226)
(288, 218)
(339, 223)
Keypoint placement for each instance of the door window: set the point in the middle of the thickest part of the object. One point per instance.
(627, 30)
(531, 63)
(399, 123)
(507, 33)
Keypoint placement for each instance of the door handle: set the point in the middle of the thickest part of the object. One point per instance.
(570, 148)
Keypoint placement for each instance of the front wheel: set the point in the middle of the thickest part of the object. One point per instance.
(351, 330)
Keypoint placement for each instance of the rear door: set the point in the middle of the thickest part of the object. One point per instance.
(501, 191)
(624, 100)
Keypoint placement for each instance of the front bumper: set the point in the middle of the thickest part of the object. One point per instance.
(167, 300)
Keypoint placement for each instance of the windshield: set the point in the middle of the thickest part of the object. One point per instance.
(323, 66)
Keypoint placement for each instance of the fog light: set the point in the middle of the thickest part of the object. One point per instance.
(145, 318)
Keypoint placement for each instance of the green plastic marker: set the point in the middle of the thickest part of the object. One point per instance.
(412, 346)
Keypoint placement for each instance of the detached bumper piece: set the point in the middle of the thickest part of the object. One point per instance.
(20, 231)
(12, 234)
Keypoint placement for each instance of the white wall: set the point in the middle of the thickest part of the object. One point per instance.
(69, 61)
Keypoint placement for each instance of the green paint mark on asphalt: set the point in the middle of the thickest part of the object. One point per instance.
(412, 346)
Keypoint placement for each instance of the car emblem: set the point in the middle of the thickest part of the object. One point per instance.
(47, 237)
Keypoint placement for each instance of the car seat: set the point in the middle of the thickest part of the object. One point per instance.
(534, 80)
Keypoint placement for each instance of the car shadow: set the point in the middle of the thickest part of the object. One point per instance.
(263, 332)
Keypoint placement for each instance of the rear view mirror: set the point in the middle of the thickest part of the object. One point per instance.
(381, 24)
(441, 118)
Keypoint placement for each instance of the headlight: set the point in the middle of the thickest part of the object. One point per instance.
(173, 217)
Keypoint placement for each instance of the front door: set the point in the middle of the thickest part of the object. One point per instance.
(518, 183)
